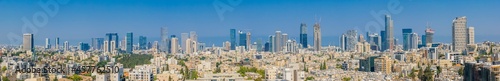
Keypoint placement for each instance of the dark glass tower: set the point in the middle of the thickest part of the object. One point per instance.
(129, 42)
(303, 35)
(243, 39)
(142, 42)
(232, 36)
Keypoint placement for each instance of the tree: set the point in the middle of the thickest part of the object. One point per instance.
(427, 74)
(75, 77)
(55, 79)
(169, 78)
(310, 78)
(412, 74)
(439, 70)
(5, 78)
(4, 68)
(461, 71)
(346, 79)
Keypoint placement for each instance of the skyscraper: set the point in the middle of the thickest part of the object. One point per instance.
(47, 43)
(84, 46)
(232, 36)
(384, 41)
(317, 37)
(375, 41)
(389, 32)
(352, 40)
(112, 37)
(303, 35)
(129, 42)
(278, 41)
(407, 38)
(184, 37)
(57, 43)
(243, 39)
(164, 40)
(429, 33)
(413, 41)
(174, 45)
(459, 33)
(106, 46)
(284, 38)
(28, 42)
(66, 46)
(259, 45)
(271, 43)
(248, 41)
(470, 35)
(97, 43)
(343, 42)
(143, 42)
(188, 46)
(193, 36)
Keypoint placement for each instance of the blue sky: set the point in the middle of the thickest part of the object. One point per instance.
(80, 20)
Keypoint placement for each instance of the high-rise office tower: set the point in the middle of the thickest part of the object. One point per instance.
(249, 44)
(112, 47)
(414, 41)
(375, 41)
(174, 45)
(271, 43)
(343, 42)
(407, 33)
(290, 46)
(278, 41)
(470, 35)
(97, 43)
(112, 37)
(352, 40)
(156, 46)
(384, 41)
(57, 43)
(242, 39)
(84, 46)
(429, 33)
(66, 46)
(259, 45)
(164, 40)
(232, 36)
(47, 43)
(193, 36)
(143, 42)
(187, 46)
(284, 38)
(267, 46)
(184, 37)
(459, 33)
(28, 42)
(389, 32)
(106, 45)
(227, 45)
(303, 35)
(129, 42)
(170, 43)
(317, 37)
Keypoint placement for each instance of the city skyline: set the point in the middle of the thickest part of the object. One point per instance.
(332, 25)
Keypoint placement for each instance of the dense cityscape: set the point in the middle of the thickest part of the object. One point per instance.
(393, 53)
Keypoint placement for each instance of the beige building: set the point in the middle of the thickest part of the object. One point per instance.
(165, 76)
(383, 64)
(459, 33)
